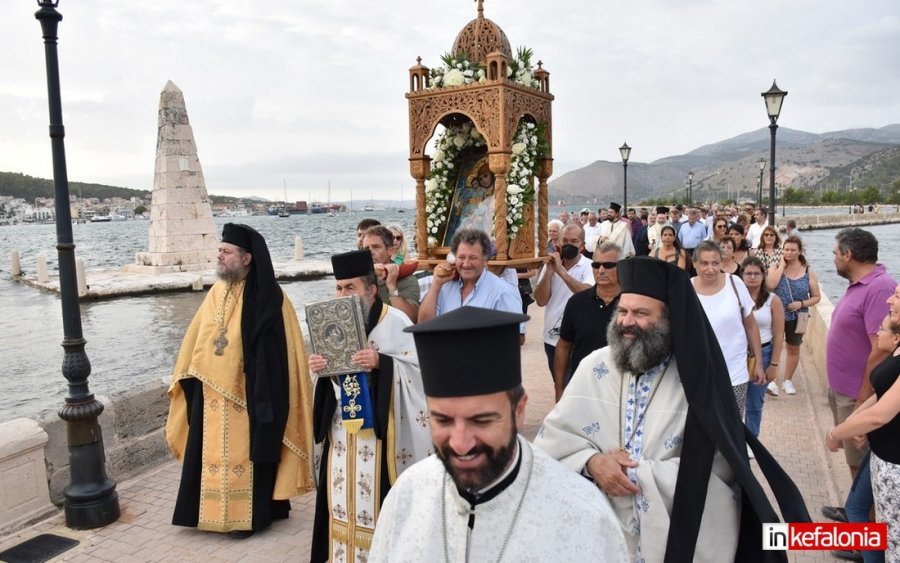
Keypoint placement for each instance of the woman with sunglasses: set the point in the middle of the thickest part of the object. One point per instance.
(669, 248)
(796, 284)
(719, 230)
(398, 255)
(769, 314)
(769, 250)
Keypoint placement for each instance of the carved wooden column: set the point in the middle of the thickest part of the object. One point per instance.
(419, 168)
(499, 164)
(543, 201)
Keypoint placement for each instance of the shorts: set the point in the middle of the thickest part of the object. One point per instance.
(790, 336)
(841, 407)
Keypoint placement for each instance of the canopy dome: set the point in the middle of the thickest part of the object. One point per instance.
(480, 37)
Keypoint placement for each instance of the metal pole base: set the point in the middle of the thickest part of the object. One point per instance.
(85, 515)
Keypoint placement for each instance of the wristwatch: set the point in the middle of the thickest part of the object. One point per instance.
(395, 293)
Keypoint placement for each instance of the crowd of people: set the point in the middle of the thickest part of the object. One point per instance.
(663, 336)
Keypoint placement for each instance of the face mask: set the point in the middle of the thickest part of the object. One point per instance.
(569, 251)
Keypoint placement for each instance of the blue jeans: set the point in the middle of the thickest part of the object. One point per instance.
(756, 395)
(859, 502)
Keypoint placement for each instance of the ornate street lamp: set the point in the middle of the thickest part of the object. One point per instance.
(774, 98)
(690, 188)
(91, 500)
(625, 151)
(762, 166)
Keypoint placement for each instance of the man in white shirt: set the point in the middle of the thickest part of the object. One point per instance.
(592, 231)
(754, 233)
(563, 275)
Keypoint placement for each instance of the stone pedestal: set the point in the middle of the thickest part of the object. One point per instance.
(183, 236)
(24, 496)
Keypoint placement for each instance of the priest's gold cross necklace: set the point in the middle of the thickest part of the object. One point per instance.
(639, 413)
(512, 524)
(221, 341)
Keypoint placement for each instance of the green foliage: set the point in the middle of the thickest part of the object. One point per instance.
(28, 187)
(140, 210)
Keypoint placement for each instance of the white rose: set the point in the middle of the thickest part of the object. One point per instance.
(523, 182)
(509, 71)
(515, 229)
(460, 141)
(438, 155)
(518, 148)
(466, 64)
(475, 134)
(459, 66)
(430, 223)
(454, 77)
(513, 190)
(514, 200)
(434, 230)
(450, 165)
(480, 73)
(529, 125)
(432, 241)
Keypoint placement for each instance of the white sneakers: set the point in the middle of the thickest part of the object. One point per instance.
(788, 386)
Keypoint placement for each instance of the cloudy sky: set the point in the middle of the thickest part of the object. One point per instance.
(311, 92)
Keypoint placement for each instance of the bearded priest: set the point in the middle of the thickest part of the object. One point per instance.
(239, 415)
(487, 494)
(653, 421)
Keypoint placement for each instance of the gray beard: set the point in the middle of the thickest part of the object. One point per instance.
(648, 349)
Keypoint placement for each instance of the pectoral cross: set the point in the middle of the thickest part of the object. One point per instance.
(221, 342)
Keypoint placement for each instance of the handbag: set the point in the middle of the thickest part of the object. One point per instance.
(751, 359)
(802, 316)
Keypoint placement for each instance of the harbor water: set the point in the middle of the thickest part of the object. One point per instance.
(132, 341)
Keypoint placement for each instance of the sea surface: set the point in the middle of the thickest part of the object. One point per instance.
(134, 340)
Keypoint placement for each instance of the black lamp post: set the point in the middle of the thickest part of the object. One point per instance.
(625, 151)
(91, 500)
(774, 98)
(762, 166)
(690, 189)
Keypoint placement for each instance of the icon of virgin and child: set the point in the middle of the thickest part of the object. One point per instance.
(472, 206)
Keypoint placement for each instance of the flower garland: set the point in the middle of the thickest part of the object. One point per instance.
(527, 150)
(520, 69)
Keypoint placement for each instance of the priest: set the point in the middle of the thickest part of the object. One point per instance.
(360, 462)
(487, 494)
(617, 230)
(652, 420)
(239, 415)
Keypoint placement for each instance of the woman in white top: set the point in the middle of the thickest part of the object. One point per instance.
(729, 308)
(769, 314)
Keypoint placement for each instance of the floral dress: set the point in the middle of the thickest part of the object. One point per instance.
(769, 260)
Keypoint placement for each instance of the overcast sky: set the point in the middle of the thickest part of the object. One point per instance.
(308, 92)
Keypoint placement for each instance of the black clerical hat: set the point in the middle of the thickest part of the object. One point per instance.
(615, 207)
(469, 351)
(353, 264)
(238, 235)
(646, 275)
(662, 209)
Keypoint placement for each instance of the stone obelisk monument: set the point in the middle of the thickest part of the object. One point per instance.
(183, 236)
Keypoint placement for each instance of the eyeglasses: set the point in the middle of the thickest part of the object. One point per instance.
(768, 234)
(398, 237)
(606, 265)
(720, 226)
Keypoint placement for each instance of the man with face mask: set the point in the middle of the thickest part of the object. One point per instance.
(617, 230)
(487, 494)
(564, 274)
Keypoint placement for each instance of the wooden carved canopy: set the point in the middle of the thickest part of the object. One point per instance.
(495, 108)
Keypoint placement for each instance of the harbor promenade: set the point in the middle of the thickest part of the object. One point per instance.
(793, 429)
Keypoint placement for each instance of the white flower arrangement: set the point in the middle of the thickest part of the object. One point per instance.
(527, 150)
(439, 186)
(458, 70)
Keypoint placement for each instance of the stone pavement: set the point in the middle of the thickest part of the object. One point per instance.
(793, 429)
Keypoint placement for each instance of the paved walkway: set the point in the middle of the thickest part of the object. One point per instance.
(793, 429)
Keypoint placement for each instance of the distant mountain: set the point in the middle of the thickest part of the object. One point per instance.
(28, 187)
(837, 160)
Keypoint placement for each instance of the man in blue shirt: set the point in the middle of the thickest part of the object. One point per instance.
(691, 233)
(466, 280)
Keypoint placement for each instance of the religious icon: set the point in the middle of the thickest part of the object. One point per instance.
(472, 206)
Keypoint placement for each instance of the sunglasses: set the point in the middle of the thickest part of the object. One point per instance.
(606, 265)
(398, 237)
